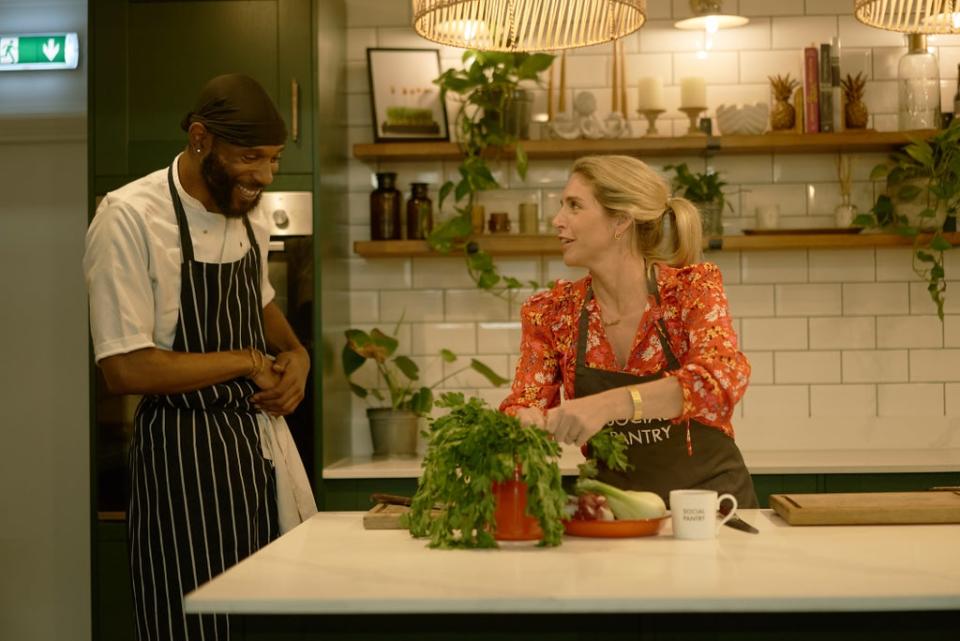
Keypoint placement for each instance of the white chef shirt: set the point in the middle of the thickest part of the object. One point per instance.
(132, 261)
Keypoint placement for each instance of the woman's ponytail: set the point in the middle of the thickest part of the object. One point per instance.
(687, 232)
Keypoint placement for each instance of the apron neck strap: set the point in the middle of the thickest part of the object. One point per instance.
(186, 243)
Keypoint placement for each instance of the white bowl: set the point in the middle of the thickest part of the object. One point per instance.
(748, 119)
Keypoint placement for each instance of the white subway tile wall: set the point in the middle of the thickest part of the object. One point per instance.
(831, 334)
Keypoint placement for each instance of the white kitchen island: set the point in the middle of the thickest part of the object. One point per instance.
(331, 565)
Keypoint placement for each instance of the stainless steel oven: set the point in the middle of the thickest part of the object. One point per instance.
(291, 274)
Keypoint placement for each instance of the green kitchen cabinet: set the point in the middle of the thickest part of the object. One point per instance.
(150, 59)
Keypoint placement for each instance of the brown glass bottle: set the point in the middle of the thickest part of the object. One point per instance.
(386, 203)
(419, 212)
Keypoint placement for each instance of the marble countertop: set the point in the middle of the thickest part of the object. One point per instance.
(330, 564)
(758, 462)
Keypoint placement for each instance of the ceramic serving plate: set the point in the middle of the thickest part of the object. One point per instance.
(615, 529)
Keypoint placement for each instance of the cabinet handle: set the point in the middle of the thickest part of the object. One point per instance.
(295, 109)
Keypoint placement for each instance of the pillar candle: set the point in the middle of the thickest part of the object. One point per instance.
(651, 93)
(562, 100)
(693, 92)
(615, 98)
(550, 94)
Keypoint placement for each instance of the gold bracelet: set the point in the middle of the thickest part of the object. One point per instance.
(254, 365)
(637, 402)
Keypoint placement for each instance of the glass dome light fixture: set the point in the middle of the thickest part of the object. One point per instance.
(708, 16)
(526, 25)
(910, 16)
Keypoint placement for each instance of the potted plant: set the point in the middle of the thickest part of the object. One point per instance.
(922, 196)
(706, 190)
(394, 425)
(488, 87)
(492, 478)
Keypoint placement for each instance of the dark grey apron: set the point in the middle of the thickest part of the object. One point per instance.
(665, 456)
(202, 497)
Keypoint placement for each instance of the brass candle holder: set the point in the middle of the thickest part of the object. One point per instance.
(651, 115)
(692, 114)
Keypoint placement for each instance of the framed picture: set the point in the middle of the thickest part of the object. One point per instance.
(404, 101)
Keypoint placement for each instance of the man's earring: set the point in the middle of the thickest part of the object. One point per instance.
(198, 149)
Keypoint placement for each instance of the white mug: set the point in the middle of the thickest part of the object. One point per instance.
(694, 513)
(768, 216)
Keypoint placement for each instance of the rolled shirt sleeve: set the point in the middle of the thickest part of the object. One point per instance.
(537, 380)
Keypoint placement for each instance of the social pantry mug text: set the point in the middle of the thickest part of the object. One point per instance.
(694, 513)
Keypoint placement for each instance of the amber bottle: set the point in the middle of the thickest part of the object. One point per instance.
(386, 203)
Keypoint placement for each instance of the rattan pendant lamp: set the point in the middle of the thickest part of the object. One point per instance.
(526, 25)
(910, 16)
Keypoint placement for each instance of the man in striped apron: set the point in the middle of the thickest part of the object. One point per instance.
(182, 312)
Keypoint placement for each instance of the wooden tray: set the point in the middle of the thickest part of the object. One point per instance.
(802, 232)
(868, 508)
(383, 516)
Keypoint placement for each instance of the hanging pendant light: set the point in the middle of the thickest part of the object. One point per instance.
(910, 16)
(708, 16)
(526, 25)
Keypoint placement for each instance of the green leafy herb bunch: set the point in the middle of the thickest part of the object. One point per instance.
(468, 449)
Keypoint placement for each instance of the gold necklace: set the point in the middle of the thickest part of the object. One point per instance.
(607, 323)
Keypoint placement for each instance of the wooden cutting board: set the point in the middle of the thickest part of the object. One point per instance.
(868, 508)
(384, 517)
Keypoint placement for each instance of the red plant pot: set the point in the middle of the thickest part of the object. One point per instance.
(511, 518)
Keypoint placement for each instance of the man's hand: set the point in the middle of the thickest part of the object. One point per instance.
(282, 398)
(577, 420)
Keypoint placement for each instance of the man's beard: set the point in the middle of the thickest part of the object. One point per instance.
(221, 185)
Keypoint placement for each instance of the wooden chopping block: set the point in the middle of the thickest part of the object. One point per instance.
(868, 508)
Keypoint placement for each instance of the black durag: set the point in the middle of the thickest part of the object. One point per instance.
(236, 109)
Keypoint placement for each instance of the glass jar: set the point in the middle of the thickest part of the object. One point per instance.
(419, 212)
(386, 203)
(918, 82)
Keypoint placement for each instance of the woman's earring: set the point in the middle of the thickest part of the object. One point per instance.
(618, 235)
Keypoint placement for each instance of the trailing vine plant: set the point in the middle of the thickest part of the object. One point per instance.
(925, 172)
(485, 87)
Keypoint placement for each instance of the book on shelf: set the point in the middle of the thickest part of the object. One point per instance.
(826, 89)
(811, 90)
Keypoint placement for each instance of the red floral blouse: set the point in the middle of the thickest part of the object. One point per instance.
(713, 372)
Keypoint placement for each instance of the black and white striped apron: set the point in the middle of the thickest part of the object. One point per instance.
(202, 497)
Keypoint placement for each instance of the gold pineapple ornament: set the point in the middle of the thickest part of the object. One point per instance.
(783, 115)
(856, 113)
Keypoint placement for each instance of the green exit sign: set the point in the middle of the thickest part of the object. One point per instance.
(39, 51)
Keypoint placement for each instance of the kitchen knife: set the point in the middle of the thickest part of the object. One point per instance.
(739, 524)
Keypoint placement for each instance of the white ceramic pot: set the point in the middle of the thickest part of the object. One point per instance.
(745, 120)
(911, 209)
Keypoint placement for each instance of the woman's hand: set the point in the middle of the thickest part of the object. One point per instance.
(263, 375)
(531, 417)
(577, 420)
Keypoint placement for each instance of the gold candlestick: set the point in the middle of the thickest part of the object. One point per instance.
(651, 115)
(692, 113)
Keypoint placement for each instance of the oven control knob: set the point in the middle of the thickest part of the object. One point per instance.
(280, 219)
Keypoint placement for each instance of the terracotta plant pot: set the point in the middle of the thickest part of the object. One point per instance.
(511, 518)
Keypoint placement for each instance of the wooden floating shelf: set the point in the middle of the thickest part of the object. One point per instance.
(787, 143)
(516, 245)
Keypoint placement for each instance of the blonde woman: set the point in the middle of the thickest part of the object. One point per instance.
(644, 343)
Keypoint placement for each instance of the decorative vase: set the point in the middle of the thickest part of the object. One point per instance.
(393, 432)
(711, 217)
(419, 213)
(386, 203)
(845, 212)
(512, 523)
(918, 82)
